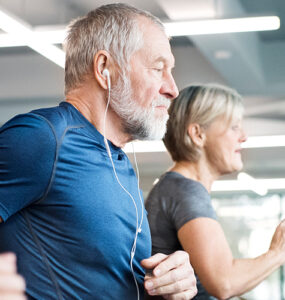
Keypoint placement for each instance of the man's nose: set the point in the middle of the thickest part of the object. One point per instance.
(169, 88)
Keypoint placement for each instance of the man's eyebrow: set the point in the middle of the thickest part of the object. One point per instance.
(160, 59)
(165, 61)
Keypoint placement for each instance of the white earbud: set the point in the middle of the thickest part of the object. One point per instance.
(107, 75)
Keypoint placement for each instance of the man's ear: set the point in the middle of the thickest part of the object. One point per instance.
(102, 61)
(197, 134)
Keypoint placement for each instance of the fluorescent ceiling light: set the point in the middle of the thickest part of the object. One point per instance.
(251, 182)
(265, 141)
(222, 26)
(242, 185)
(223, 54)
(49, 35)
(23, 33)
(189, 9)
(145, 146)
(20, 33)
(252, 142)
(51, 52)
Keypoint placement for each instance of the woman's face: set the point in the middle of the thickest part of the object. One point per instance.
(223, 146)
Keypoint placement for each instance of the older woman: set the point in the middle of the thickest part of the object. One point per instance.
(204, 137)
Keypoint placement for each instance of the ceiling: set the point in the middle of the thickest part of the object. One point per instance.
(253, 63)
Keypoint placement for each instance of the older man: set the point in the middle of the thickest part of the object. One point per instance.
(68, 193)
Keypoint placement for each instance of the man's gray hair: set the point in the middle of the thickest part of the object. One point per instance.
(113, 28)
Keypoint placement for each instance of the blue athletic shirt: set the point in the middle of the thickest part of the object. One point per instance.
(66, 217)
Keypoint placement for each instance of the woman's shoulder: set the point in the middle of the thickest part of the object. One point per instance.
(183, 184)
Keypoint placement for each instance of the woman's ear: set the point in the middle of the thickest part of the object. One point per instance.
(197, 134)
(102, 61)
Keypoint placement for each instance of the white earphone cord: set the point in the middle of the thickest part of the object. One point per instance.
(138, 227)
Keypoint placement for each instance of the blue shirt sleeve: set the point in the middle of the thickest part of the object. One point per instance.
(27, 155)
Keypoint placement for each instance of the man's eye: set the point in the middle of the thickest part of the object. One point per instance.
(158, 69)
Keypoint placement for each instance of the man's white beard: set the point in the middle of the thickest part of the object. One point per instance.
(139, 122)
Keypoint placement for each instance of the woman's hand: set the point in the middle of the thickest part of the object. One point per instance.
(277, 245)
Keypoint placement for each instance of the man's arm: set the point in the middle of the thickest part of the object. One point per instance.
(12, 285)
(173, 276)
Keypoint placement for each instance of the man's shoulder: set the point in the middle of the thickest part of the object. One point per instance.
(56, 117)
(60, 118)
(26, 132)
(51, 121)
(40, 124)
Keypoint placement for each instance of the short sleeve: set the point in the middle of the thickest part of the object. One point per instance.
(189, 200)
(27, 155)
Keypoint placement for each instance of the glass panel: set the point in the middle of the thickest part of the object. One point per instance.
(249, 223)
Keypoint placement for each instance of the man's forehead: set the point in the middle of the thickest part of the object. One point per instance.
(156, 45)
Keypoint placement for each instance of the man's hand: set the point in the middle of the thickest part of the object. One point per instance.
(172, 276)
(12, 285)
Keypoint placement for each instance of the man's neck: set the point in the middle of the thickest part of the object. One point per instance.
(91, 103)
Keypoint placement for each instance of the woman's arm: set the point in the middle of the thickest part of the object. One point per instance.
(221, 274)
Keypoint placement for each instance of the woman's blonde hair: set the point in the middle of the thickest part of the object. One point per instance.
(200, 104)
